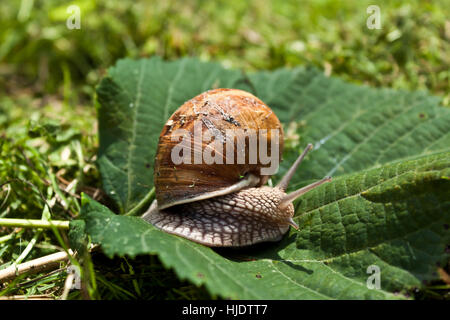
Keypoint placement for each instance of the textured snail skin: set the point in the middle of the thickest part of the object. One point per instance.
(242, 218)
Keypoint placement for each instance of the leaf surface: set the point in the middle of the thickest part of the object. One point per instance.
(352, 223)
(388, 204)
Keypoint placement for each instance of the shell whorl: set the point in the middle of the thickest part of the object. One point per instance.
(217, 112)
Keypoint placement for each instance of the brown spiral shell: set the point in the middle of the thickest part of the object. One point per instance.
(217, 111)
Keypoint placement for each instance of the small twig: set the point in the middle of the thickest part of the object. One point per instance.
(65, 186)
(45, 215)
(34, 223)
(67, 285)
(34, 266)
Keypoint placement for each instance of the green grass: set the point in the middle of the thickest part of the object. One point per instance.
(48, 75)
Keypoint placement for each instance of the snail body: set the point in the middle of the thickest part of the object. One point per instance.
(223, 203)
(241, 218)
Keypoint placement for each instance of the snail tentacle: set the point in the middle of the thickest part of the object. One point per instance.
(283, 184)
(297, 193)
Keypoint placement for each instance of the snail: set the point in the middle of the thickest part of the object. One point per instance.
(205, 192)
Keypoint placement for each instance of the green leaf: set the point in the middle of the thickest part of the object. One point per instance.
(388, 204)
(352, 127)
(345, 227)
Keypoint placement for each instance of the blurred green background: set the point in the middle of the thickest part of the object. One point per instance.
(411, 50)
(48, 75)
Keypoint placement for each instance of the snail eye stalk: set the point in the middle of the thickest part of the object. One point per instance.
(292, 223)
(297, 193)
(283, 184)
